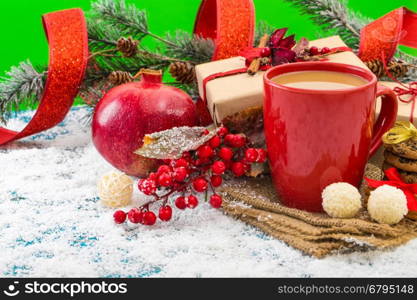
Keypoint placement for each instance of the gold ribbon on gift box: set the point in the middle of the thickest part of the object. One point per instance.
(401, 132)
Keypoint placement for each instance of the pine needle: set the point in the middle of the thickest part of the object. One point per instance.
(22, 85)
(123, 17)
(189, 47)
(410, 60)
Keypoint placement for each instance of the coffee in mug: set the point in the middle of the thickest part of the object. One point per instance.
(319, 80)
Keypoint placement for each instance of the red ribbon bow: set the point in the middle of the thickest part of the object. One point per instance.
(410, 90)
(395, 180)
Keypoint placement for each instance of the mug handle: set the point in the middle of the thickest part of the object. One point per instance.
(387, 115)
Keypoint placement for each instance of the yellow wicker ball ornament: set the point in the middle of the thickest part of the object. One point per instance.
(387, 205)
(115, 189)
(341, 200)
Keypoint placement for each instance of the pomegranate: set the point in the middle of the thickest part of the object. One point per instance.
(128, 112)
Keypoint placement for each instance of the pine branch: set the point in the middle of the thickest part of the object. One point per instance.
(189, 47)
(23, 85)
(103, 38)
(333, 16)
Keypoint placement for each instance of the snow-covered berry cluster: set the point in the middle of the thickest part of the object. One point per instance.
(196, 172)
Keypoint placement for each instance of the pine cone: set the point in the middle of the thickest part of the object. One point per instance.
(120, 77)
(376, 66)
(128, 46)
(398, 69)
(183, 72)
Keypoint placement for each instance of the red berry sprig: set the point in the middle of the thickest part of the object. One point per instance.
(196, 172)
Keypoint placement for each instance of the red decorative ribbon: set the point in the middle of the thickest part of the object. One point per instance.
(383, 35)
(339, 49)
(395, 180)
(229, 23)
(68, 54)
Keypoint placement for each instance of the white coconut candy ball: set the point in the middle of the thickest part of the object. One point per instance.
(115, 189)
(387, 205)
(341, 200)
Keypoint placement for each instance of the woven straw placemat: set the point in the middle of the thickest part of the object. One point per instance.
(255, 202)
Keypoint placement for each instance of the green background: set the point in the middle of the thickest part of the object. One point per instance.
(23, 36)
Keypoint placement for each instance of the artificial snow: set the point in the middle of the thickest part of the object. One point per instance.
(52, 224)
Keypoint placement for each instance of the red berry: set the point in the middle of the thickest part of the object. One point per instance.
(265, 52)
(164, 169)
(262, 155)
(229, 138)
(149, 218)
(147, 186)
(135, 216)
(216, 180)
(165, 179)
(238, 168)
(314, 50)
(165, 213)
(204, 151)
(206, 132)
(200, 184)
(222, 131)
(180, 203)
(251, 155)
(216, 201)
(215, 141)
(235, 140)
(325, 50)
(225, 153)
(182, 162)
(192, 201)
(218, 167)
(240, 141)
(119, 216)
(180, 174)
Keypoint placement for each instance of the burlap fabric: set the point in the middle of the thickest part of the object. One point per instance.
(255, 202)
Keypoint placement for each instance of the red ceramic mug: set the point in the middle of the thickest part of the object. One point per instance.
(318, 137)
